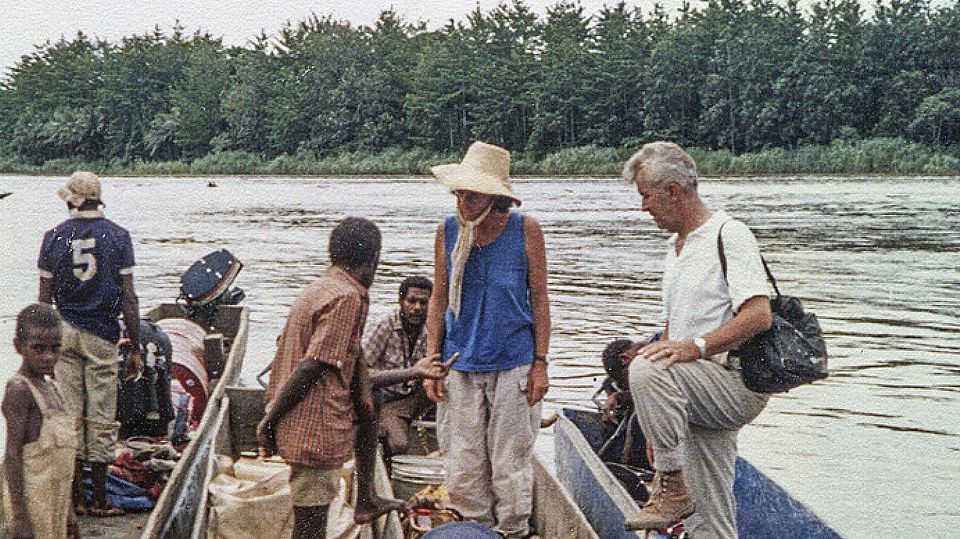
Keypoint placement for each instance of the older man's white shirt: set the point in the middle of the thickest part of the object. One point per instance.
(696, 297)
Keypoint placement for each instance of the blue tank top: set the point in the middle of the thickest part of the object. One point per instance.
(494, 331)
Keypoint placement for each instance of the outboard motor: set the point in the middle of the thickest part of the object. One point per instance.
(204, 288)
(175, 381)
(206, 285)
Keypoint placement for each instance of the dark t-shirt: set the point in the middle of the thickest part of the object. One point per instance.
(84, 257)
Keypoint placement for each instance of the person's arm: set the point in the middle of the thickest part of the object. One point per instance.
(18, 405)
(45, 288)
(537, 380)
(130, 307)
(753, 318)
(375, 346)
(327, 354)
(292, 392)
(427, 367)
(439, 300)
(45, 293)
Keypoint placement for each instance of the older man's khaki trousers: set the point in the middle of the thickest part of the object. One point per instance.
(690, 414)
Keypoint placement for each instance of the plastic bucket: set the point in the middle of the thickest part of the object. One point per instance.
(413, 473)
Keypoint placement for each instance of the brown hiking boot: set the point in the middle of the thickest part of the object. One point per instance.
(669, 502)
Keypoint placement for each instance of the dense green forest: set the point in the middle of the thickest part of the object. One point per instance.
(754, 86)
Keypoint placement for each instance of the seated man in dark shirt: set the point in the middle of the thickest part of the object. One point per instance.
(618, 407)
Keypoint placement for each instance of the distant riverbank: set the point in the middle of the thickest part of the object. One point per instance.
(870, 156)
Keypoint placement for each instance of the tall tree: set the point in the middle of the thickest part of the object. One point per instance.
(621, 45)
(137, 79)
(565, 63)
(196, 99)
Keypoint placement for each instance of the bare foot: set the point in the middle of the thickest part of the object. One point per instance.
(367, 512)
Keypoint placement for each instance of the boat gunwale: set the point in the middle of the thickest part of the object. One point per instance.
(764, 508)
(159, 522)
(566, 431)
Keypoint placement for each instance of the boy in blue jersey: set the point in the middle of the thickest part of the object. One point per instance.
(86, 270)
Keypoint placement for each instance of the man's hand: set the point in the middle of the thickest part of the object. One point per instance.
(430, 367)
(267, 437)
(537, 382)
(610, 408)
(671, 352)
(133, 364)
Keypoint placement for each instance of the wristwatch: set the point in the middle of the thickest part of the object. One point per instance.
(702, 345)
(540, 357)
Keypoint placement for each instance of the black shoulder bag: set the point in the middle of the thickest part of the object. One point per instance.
(789, 354)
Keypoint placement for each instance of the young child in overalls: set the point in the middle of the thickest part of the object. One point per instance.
(42, 441)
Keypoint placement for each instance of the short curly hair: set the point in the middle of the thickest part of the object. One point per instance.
(613, 363)
(36, 316)
(354, 243)
(415, 281)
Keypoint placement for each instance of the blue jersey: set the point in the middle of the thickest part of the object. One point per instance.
(84, 258)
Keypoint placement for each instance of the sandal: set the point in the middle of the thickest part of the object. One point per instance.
(104, 510)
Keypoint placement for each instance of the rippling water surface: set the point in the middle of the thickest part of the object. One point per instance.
(875, 449)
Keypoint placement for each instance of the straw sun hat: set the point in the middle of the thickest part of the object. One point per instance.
(81, 186)
(484, 169)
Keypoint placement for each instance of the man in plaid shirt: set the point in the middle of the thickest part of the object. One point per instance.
(319, 385)
(393, 344)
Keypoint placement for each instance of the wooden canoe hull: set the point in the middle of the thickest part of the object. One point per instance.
(176, 511)
(555, 514)
(764, 509)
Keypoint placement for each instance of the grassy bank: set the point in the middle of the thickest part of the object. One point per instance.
(871, 156)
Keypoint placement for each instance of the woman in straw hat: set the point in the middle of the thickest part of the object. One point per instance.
(490, 306)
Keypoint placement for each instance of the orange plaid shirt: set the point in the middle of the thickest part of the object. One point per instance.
(325, 323)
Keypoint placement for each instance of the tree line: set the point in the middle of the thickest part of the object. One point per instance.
(732, 75)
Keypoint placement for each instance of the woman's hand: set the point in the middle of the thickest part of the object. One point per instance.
(537, 382)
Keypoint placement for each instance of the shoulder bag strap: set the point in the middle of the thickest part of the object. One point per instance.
(723, 261)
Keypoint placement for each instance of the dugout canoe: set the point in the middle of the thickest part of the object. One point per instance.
(764, 509)
(234, 427)
(176, 509)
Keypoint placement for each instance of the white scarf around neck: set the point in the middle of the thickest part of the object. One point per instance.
(460, 254)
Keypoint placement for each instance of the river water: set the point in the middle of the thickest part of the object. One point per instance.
(874, 450)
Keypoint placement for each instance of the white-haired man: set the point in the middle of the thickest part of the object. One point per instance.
(687, 389)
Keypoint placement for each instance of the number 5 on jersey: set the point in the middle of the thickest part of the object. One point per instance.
(81, 258)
